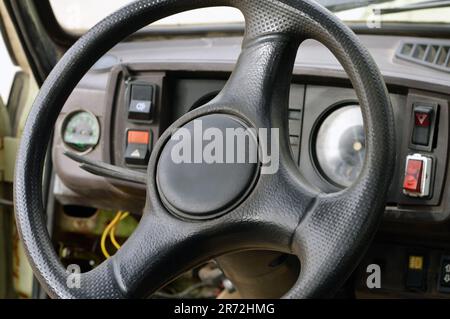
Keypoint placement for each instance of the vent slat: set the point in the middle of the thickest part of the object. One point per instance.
(431, 53)
(447, 62)
(438, 53)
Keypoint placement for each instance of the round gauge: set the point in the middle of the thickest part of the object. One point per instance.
(81, 131)
(340, 145)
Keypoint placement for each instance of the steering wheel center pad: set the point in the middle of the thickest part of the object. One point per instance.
(203, 171)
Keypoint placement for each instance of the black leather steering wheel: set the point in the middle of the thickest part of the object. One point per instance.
(328, 232)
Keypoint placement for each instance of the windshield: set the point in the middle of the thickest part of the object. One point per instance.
(8, 71)
(77, 16)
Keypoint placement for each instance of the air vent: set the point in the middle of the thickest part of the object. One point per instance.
(433, 55)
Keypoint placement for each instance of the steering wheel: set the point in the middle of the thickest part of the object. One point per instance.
(196, 212)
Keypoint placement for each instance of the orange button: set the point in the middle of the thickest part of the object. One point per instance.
(138, 137)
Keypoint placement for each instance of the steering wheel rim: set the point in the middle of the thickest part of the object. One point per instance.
(329, 233)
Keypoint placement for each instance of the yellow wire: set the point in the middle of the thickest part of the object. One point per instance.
(112, 233)
(105, 235)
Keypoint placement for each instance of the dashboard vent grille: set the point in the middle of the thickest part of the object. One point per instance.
(433, 55)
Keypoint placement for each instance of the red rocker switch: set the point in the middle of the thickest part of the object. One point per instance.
(417, 176)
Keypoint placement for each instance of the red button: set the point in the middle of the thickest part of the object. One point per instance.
(138, 137)
(413, 178)
(422, 119)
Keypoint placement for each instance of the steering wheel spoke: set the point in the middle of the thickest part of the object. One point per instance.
(261, 99)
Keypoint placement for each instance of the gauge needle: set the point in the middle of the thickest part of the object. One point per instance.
(107, 170)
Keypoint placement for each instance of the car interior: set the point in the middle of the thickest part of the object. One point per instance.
(352, 95)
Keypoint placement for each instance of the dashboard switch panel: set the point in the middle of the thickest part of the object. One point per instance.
(141, 101)
(417, 176)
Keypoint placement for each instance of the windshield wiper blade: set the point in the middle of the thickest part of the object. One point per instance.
(435, 4)
(342, 5)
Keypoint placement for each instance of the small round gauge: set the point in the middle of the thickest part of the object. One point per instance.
(340, 145)
(81, 131)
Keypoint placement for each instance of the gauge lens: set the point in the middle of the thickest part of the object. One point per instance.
(81, 131)
(341, 145)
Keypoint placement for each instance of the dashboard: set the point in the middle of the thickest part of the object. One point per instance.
(133, 94)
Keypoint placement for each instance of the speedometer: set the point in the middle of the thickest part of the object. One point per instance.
(341, 145)
(81, 131)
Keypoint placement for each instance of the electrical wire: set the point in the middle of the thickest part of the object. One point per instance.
(112, 233)
(106, 233)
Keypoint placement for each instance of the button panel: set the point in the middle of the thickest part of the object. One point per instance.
(424, 120)
(139, 119)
